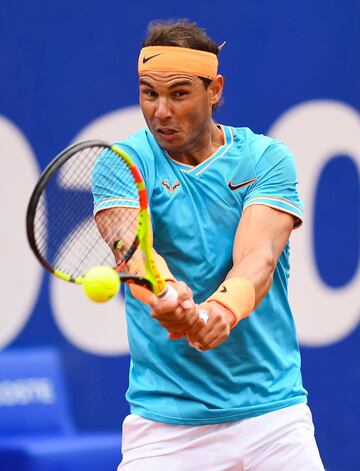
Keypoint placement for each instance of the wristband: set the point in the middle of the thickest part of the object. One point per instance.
(138, 268)
(237, 295)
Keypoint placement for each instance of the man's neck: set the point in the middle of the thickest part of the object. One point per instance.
(207, 144)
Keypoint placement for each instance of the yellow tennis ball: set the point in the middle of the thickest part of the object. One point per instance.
(101, 284)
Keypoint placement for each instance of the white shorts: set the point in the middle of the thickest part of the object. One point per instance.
(282, 440)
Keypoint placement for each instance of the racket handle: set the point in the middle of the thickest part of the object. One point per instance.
(170, 293)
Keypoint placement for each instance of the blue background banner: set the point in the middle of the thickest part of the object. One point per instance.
(292, 70)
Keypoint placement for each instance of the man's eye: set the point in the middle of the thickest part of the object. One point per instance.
(180, 93)
(150, 93)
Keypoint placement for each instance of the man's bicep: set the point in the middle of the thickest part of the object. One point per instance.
(262, 229)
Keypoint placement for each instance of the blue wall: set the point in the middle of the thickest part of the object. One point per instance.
(287, 65)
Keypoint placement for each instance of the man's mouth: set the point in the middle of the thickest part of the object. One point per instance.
(165, 131)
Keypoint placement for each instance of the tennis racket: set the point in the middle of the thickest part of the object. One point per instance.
(66, 237)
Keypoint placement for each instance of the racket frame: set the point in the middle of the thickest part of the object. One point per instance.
(154, 281)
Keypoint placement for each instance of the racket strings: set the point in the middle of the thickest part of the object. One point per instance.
(59, 212)
(66, 232)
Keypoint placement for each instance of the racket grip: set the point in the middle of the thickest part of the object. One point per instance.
(203, 315)
(170, 293)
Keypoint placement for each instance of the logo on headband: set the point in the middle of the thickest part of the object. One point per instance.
(178, 59)
(146, 59)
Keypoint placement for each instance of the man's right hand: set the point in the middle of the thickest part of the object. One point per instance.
(177, 316)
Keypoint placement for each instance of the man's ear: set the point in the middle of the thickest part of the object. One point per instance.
(215, 89)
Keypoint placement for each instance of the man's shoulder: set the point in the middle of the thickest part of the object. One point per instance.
(144, 151)
(252, 139)
(139, 140)
(259, 145)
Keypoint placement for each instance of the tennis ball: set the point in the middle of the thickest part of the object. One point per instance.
(101, 284)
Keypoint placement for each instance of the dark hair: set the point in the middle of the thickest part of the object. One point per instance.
(181, 33)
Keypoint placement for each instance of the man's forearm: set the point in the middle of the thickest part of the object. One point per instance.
(258, 268)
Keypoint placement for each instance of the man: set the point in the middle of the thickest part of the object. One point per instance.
(223, 204)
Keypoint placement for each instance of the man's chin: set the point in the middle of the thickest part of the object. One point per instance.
(169, 142)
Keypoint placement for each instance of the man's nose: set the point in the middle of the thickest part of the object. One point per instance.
(163, 109)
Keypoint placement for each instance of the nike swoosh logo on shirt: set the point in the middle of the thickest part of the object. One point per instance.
(236, 186)
(146, 59)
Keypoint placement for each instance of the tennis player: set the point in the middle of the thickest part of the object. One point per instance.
(223, 205)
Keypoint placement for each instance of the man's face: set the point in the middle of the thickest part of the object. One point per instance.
(177, 109)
